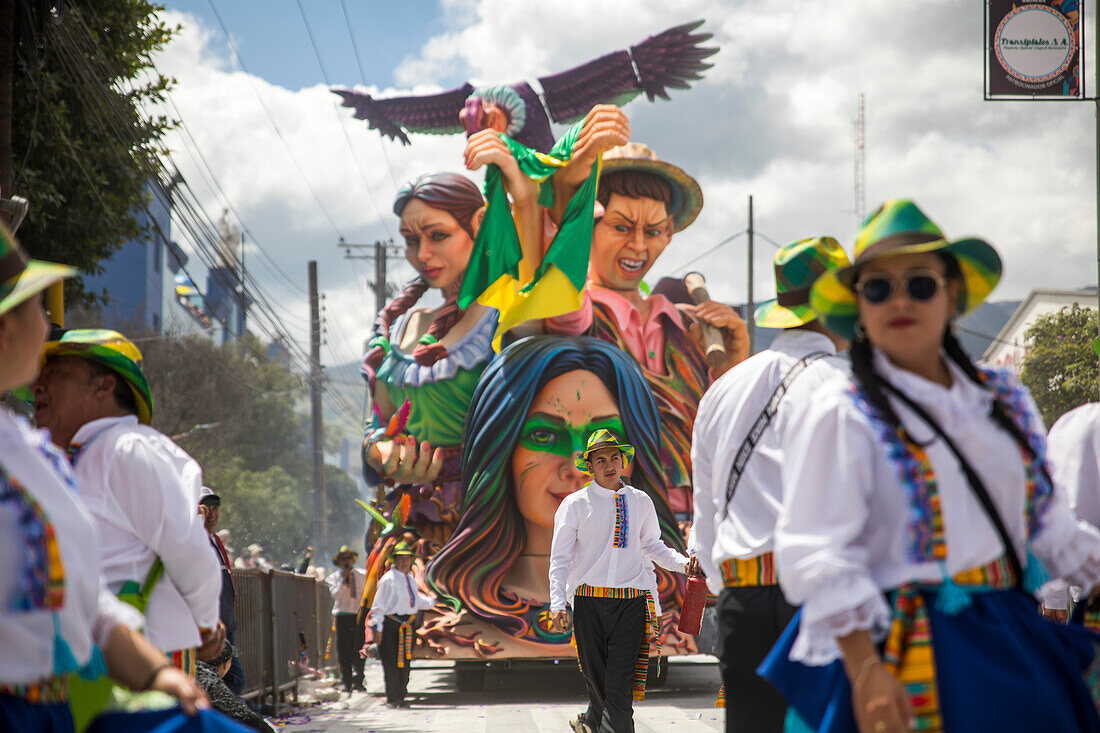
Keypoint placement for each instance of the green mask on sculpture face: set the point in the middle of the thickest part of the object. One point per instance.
(547, 435)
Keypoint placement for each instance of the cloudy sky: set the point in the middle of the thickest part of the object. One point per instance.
(773, 118)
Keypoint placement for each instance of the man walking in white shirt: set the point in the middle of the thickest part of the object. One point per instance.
(346, 586)
(396, 602)
(140, 487)
(606, 539)
(737, 457)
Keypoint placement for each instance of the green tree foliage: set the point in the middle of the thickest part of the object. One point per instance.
(236, 413)
(1060, 367)
(83, 154)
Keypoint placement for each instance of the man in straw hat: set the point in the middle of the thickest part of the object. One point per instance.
(140, 487)
(737, 453)
(606, 539)
(396, 602)
(346, 586)
(643, 201)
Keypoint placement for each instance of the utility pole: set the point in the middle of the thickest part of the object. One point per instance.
(380, 252)
(317, 428)
(860, 201)
(749, 320)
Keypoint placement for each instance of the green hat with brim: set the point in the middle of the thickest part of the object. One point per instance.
(600, 439)
(344, 550)
(797, 266)
(114, 351)
(898, 227)
(687, 197)
(403, 549)
(20, 276)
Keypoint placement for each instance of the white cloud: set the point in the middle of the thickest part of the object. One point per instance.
(773, 118)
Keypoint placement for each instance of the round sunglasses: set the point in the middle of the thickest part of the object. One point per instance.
(920, 285)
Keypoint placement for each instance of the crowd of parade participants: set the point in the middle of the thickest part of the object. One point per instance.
(889, 542)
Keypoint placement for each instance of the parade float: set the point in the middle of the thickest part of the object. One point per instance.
(478, 411)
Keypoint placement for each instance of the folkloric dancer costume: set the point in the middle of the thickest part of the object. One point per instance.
(741, 434)
(396, 603)
(601, 558)
(886, 529)
(346, 591)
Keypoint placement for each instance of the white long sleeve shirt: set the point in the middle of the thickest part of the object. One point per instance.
(143, 492)
(842, 537)
(397, 594)
(346, 595)
(581, 551)
(745, 528)
(89, 612)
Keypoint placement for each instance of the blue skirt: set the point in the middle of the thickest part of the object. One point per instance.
(16, 714)
(999, 666)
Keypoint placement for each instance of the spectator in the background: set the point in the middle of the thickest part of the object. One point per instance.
(212, 675)
(210, 510)
(140, 487)
(346, 585)
(303, 567)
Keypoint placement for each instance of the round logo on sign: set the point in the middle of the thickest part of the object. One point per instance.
(1035, 43)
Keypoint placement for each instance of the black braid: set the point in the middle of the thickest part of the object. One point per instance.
(870, 381)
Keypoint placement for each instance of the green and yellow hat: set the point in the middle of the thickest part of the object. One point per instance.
(344, 550)
(112, 350)
(20, 276)
(402, 549)
(600, 439)
(898, 227)
(687, 197)
(797, 266)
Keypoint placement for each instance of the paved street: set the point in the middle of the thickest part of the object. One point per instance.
(539, 699)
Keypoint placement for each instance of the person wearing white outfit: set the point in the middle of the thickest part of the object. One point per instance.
(56, 617)
(396, 603)
(140, 487)
(741, 434)
(918, 513)
(606, 539)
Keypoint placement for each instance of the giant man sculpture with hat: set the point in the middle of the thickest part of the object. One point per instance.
(919, 515)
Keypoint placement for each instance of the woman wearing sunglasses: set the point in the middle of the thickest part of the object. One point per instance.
(919, 515)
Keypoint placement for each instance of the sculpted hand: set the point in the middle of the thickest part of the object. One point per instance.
(605, 127)
(172, 681)
(485, 147)
(401, 462)
(560, 621)
(735, 334)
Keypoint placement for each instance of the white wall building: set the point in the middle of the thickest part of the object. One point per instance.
(1008, 348)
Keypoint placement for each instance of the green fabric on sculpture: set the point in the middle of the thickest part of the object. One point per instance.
(437, 409)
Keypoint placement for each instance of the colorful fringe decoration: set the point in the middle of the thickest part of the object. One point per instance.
(405, 635)
(721, 701)
(908, 652)
(650, 639)
(756, 571)
(622, 521)
(50, 691)
(183, 660)
(42, 578)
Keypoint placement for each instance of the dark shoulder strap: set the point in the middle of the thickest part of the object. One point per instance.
(748, 445)
(972, 478)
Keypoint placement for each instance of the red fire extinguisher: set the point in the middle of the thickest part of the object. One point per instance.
(695, 600)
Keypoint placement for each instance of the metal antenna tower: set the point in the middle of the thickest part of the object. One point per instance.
(860, 171)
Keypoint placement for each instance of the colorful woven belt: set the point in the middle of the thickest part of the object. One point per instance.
(651, 638)
(908, 650)
(755, 571)
(50, 691)
(183, 660)
(406, 636)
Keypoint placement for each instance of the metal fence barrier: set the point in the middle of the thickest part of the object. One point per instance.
(276, 613)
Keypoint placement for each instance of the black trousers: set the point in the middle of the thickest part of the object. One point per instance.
(350, 638)
(609, 632)
(750, 621)
(397, 678)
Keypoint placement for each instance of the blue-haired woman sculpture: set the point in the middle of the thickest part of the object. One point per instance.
(531, 412)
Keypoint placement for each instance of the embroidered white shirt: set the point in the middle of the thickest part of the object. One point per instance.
(346, 593)
(843, 534)
(143, 491)
(89, 612)
(582, 553)
(397, 594)
(746, 526)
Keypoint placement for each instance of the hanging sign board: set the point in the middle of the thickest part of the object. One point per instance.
(1033, 49)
